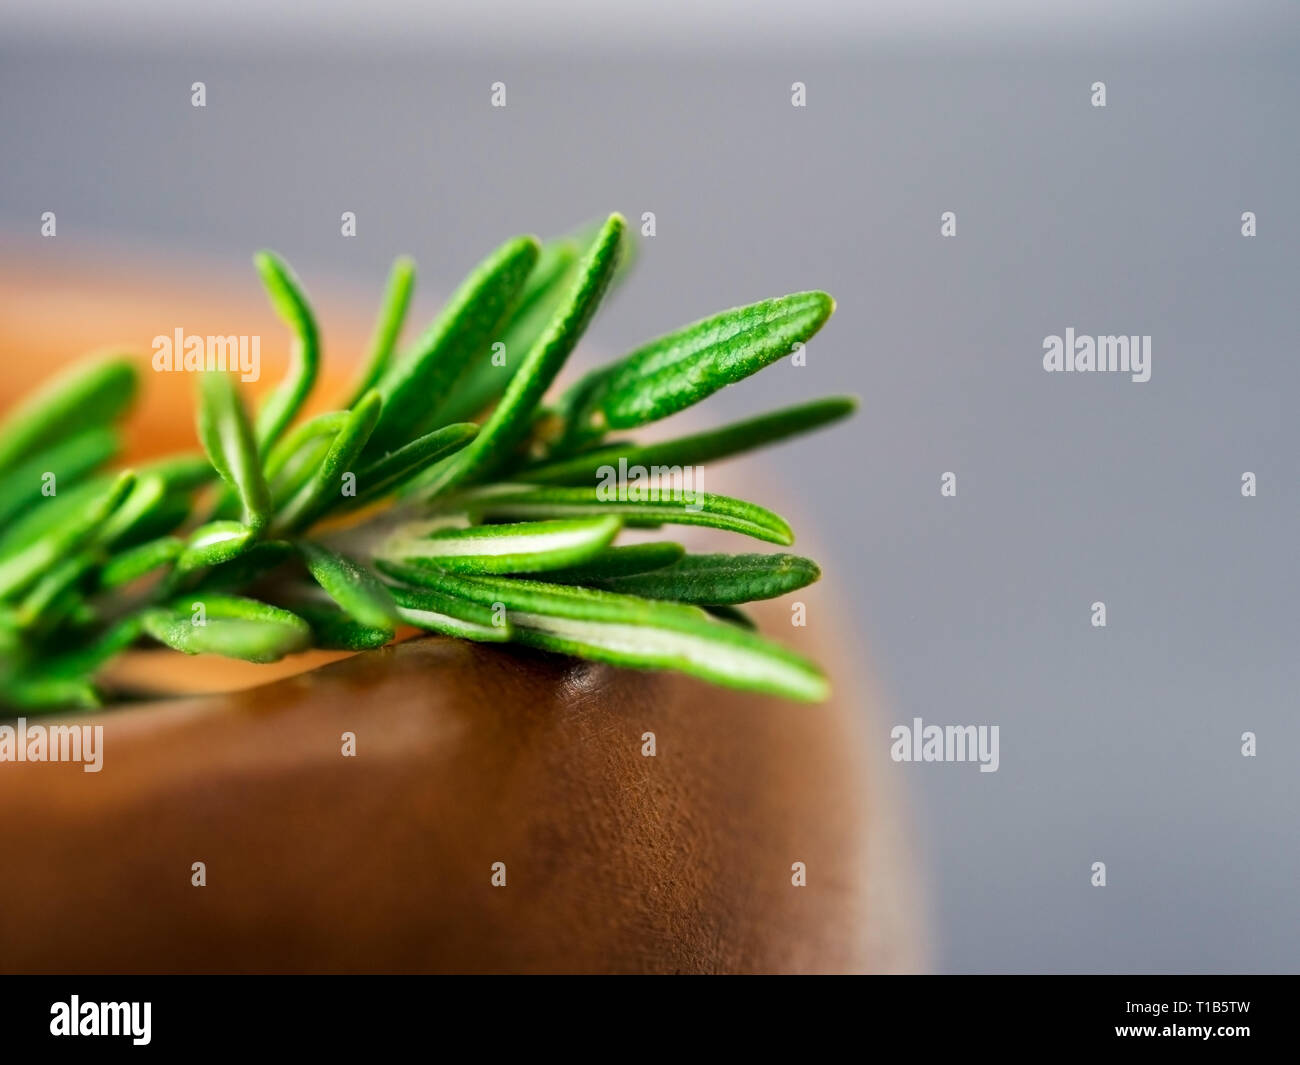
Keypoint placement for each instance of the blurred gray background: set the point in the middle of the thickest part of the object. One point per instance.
(1120, 744)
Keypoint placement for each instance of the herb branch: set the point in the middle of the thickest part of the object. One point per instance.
(447, 495)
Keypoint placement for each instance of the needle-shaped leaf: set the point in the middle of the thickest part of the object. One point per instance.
(509, 502)
(291, 305)
(510, 420)
(150, 518)
(154, 520)
(388, 474)
(619, 562)
(293, 444)
(51, 592)
(434, 610)
(299, 470)
(531, 546)
(56, 467)
(587, 234)
(675, 371)
(228, 625)
(21, 569)
(180, 473)
(719, 579)
(392, 313)
(351, 586)
(643, 634)
(48, 514)
(698, 448)
(136, 562)
(334, 630)
(90, 393)
(214, 543)
(228, 440)
(417, 383)
(143, 510)
(37, 694)
(325, 488)
(486, 378)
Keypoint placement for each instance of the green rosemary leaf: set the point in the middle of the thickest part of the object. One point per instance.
(11, 641)
(49, 513)
(392, 313)
(720, 579)
(388, 474)
(511, 419)
(678, 370)
(55, 469)
(227, 438)
(20, 570)
(415, 385)
(508, 502)
(334, 630)
(140, 510)
(587, 234)
(138, 561)
(90, 393)
(485, 378)
(325, 488)
(290, 303)
(730, 614)
(37, 694)
(641, 633)
(150, 514)
(147, 511)
(281, 458)
(531, 546)
(435, 610)
(352, 587)
(214, 543)
(620, 561)
(546, 284)
(180, 473)
(299, 471)
(166, 516)
(696, 449)
(51, 591)
(228, 625)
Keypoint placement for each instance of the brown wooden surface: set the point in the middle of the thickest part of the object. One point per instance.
(466, 755)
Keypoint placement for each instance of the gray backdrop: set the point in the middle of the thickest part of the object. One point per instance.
(1120, 744)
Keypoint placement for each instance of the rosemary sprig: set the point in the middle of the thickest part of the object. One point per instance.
(272, 541)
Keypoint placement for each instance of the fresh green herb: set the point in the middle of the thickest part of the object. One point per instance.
(397, 297)
(521, 548)
(91, 393)
(697, 449)
(466, 326)
(718, 580)
(507, 501)
(326, 483)
(680, 369)
(228, 440)
(353, 587)
(228, 625)
(507, 511)
(290, 303)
